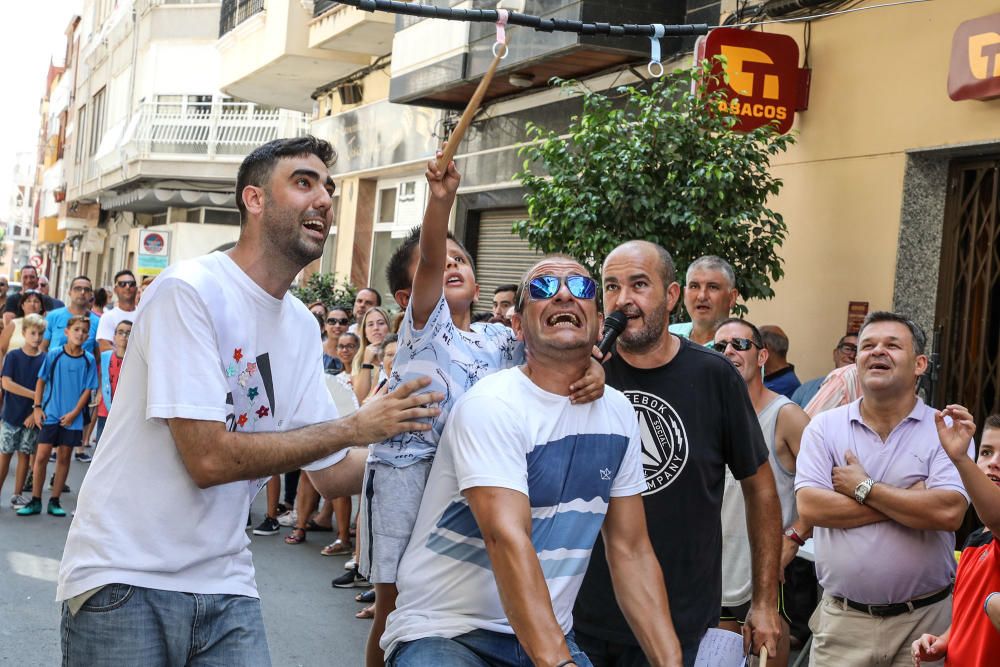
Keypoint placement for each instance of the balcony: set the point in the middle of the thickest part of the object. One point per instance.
(345, 28)
(267, 55)
(203, 142)
(435, 64)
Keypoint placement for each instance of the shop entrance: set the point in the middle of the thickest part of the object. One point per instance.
(967, 322)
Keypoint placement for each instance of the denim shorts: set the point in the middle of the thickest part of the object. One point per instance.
(473, 649)
(129, 625)
(18, 439)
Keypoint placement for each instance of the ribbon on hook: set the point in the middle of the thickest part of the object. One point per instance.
(655, 67)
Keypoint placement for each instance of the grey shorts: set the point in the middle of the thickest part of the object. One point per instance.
(18, 439)
(388, 512)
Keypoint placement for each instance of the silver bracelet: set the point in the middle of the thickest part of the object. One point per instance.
(987, 603)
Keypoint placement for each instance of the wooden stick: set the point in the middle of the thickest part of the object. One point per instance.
(763, 656)
(455, 139)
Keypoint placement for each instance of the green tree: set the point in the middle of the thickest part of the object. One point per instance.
(326, 288)
(660, 163)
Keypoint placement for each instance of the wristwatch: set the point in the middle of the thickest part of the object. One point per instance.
(794, 536)
(862, 490)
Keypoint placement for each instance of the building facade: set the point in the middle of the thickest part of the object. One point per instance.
(152, 145)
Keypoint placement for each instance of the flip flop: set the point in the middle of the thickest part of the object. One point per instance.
(337, 548)
(297, 536)
(366, 613)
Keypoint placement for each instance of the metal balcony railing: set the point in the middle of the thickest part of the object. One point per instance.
(234, 12)
(223, 128)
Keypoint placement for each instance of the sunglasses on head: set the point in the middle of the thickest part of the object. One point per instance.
(739, 344)
(546, 287)
(126, 283)
(343, 321)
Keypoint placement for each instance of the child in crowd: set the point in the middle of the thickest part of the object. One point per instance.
(437, 339)
(65, 381)
(111, 368)
(971, 639)
(17, 430)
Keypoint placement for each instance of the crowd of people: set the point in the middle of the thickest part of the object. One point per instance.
(60, 370)
(524, 498)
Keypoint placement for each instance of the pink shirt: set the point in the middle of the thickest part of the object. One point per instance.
(884, 562)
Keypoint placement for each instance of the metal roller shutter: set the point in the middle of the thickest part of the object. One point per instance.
(501, 255)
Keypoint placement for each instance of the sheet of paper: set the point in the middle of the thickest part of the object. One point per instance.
(720, 648)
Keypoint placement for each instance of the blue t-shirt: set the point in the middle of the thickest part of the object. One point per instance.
(66, 378)
(22, 369)
(55, 332)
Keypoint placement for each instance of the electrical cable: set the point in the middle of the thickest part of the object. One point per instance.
(527, 20)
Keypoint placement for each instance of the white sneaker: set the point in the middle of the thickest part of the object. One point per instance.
(17, 501)
(350, 565)
(288, 519)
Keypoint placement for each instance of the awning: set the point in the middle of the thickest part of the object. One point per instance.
(156, 200)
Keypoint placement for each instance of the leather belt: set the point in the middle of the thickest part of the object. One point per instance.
(886, 610)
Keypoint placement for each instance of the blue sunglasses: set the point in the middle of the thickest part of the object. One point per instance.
(546, 287)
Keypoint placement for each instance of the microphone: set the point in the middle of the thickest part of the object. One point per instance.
(614, 324)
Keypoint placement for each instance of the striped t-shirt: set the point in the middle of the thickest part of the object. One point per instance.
(569, 460)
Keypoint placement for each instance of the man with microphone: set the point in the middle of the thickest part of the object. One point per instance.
(695, 419)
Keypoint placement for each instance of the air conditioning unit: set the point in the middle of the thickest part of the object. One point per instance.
(350, 93)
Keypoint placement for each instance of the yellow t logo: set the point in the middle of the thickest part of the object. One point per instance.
(984, 55)
(742, 64)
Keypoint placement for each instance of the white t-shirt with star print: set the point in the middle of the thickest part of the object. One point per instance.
(210, 344)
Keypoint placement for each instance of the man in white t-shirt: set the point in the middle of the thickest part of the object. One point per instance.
(126, 290)
(222, 387)
(522, 484)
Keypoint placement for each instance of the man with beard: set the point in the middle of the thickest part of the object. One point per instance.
(222, 387)
(696, 419)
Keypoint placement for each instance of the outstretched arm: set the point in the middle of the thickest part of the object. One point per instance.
(433, 258)
(504, 518)
(213, 455)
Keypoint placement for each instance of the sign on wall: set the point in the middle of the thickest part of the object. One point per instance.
(154, 252)
(765, 82)
(975, 60)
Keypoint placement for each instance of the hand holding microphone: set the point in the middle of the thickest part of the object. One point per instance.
(614, 324)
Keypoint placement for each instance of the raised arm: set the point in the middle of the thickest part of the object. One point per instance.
(956, 440)
(504, 519)
(638, 581)
(213, 455)
(432, 260)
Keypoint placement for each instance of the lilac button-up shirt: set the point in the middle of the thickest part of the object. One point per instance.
(884, 562)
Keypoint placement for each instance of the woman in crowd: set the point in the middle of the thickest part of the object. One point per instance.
(335, 325)
(30, 302)
(372, 329)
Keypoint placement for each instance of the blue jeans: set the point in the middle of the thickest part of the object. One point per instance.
(612, 654)
(479, 648)
(128, 625)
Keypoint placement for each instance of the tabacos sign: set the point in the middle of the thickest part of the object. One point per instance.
(764, 76)
(975, 60)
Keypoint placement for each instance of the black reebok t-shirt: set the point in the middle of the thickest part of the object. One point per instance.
(695, 417)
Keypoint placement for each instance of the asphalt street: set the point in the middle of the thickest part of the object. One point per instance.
(308, 622)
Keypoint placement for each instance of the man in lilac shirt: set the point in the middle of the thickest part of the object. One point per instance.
(884, 499)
